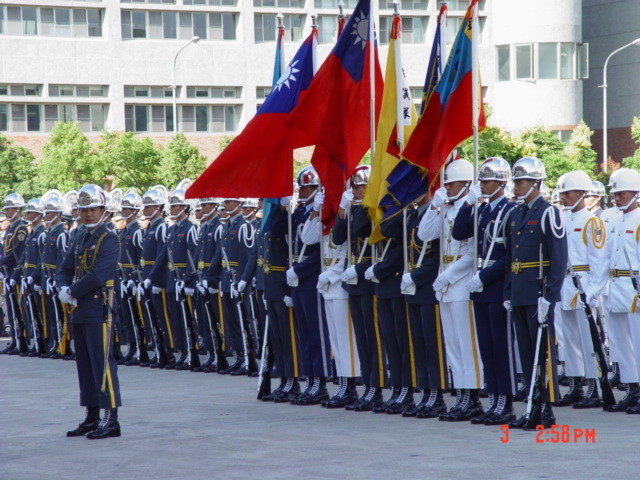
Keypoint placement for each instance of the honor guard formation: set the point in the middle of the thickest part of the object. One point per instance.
(488, 292)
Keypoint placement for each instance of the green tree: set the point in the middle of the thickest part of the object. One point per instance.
(130, 161)
(180, 159)
(492, 142)
(68, 160)
(17, 170)
(634, 160)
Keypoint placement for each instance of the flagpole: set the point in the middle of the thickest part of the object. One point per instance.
(372, 81)
(475, 76)
(443, 47)
(341, 17)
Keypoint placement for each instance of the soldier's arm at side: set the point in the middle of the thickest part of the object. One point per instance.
(558, 258)
(463, 224)
(103, 269)
(64, 276)
(429, 228)
(339, 231)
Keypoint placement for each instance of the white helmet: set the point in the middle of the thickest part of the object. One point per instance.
(91, 196)
(250, 203)
(625, 180)
(458, 171)
(529, 168)
(13, 200)
(35, 205)
(597, 189)
(575, 180)
(495, 168)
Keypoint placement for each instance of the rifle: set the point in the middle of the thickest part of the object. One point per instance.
(216, 336)
(192, 354)
(50, 290)
(38, 340)
(607, 392)
(137, 333)
(161, 353)
(107, 294)
(15, 313)
(244, 328)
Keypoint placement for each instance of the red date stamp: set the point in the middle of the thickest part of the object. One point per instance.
(557, 434)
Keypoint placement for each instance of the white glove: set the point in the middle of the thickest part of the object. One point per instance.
(156, 290)
(440, 283)
(212, 290)
(123, 289)
(139, 291)
(592, 300)
(285, 201)
(131, 286)
(440, 197)
(205, 284)
(543, 309)
(407, 285)
(12, 282)
(146, 284)
(23, 284)
(288, 301)
(64, 295)
(318, 200)
(474, 194)
(242, 285)
(507, 305)
(37, 288)
(29, 280)
(179, 286)
(475, 284)
(200, 288)
(292, 278)
(234, 291)
(349, 275)
(370, 275)
(347, 199)
(323, 282)
(189, 291)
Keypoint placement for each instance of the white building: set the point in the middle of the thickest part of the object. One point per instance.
(109, 63)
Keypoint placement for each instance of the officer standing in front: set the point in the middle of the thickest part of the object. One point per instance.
(86, 283)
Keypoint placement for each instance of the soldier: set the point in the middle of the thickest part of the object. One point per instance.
(13, 247)
(536, 260)
(353, 224)
(487, 285)
(86, 283)
(130, 250)
(282, 335)
(424, 316)
(29, 274)
(302, 277)
(179, 281)
(586, 237)
(54, 249)
(456, 309)
(622, 264)
(594, 200)
(153, 241)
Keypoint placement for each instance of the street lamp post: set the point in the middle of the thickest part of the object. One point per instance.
(605, 132)
(174, 87)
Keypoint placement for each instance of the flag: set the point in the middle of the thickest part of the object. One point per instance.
(334, 114)
(269, 205)
(397, 110)
(259, 161)
(447, 118)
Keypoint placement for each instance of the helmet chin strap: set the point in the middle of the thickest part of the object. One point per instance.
(98, 223)
(246, 217)
(490, 195)
(30, 222)
(13, 216)
(569, 208)
(459, 194)
(150, 217)
(309, 198)
(626, 207)
(232, 212)
(49, 222)
(128, 216)
(173, 217)
(524, 197)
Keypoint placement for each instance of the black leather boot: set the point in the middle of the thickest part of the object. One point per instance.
(444, 417)
(575, 393)
(435, 405)
(303, 393)
(89, 424)
(413, 411)
(317, 394)
(239, 361)
(352, 406)
(479, 419)
(591, 399)
(210, 361)
(521, 393)
(270, 396)
(382, 407)
(469, 408)
(629, 400)
(108, 427)
(8, 348)
(290, 391)
(342, 386)
(348, 397)
(503, 413)
(130, 355)
(403, 402)
(372, 400)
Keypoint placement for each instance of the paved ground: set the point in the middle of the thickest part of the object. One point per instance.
(183, 425)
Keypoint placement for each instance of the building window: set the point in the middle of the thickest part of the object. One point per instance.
(90, 117)
(461, 5)
(404, 4)
(213, 3)
(524, 62)
(170, 2)
(262, 92)
(182, 25)
(210, 118)
(4, 117)
(503, 53)
(413, 29)
(214, 92)
(143, 91)
(327, 28)
(333, 4)
(583, 60)
(566, 61)
(148, 118)
(547, 61)
(280, 3)
(78, 90)
(265, 27)
(20, 90)
(60, 22)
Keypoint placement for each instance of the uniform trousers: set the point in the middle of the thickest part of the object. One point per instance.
(312, 334)
(395, 333)
(366, 327)
(428, 346)
(205, 315)
(342, 337)
(233, 323)
(625, 333)
(495, 341)
(283, 339)
(461, 341)
(559, 328)
(128, 320)
(578, 348)
(606, 323)
(90, 344)
(176, 320)
(161, 307)
(53, 322)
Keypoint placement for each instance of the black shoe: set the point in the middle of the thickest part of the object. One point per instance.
(634, 409)
(503, 413)
(434, 406)
(315, 398)
(8, 348)
(270, 396)
(71, 356)
(352, 406)
(591, 398)
(382, 407)
(404, 402)
(108, 427)
(304, 393)
(287, 395)
(519, 423)
(479, 419)
(348, 396)
(575, 394)
(629, 400)
(129, 355)
(469, 408)
(372, 400)
(547, 418)
(90, 423)
(444, 417)
(236, 365)
(210, 361)
(521, 394)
